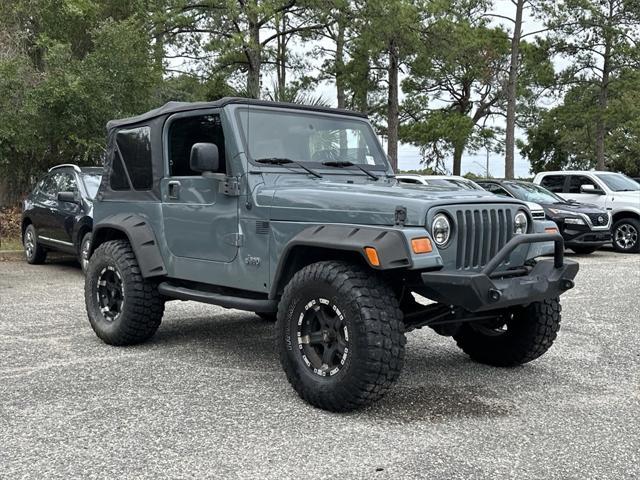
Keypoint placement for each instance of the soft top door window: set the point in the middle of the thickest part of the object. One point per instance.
(186, 132)
(134, 146)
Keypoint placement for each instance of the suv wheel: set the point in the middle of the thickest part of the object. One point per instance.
(123, 307)
(34, 252)
(626, 235)
(340, 336)
(520, 335)
(83, 254)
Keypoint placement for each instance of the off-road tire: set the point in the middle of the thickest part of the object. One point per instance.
(267, 317)
(142, 307)
(37, 254)
(376, 335)
(634, 226)
(584, 250)
(83, 250)
(530, 333)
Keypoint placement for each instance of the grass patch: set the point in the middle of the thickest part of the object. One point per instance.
(13, 243)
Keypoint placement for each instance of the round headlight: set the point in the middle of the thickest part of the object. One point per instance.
(441, 229)
(520, 223)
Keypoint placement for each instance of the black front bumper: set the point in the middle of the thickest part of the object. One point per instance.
(489, 289)
(586, 239)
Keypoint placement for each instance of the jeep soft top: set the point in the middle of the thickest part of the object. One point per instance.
(278, 208)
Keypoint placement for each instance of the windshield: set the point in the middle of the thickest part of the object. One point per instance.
(533, 193)
(91, 182)
(618, 182)
(455, 183)
(311, 138)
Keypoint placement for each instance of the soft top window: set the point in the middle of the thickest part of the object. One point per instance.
(187, 131)
(134, 146)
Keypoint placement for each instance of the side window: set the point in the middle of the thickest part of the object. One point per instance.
(576, 181)
(66, 182)
(48, 185)
(134, 146)
(118, 179)
(554, 183)
(184, 133)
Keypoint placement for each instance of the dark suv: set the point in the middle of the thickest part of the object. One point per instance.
(585, 228)
(58, 213)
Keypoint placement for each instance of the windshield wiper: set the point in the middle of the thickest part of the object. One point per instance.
(286, 161)
(350, 164)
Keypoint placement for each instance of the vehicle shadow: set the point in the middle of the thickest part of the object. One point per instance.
(241, 340)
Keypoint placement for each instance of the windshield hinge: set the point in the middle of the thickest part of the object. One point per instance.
(400, 217)
(230, 187)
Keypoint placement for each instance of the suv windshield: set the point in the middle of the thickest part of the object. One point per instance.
(533, 193)
(312, 138)
(618, 182)
(91, 182)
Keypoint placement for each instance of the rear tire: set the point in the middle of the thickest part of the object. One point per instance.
(123, 307)
(530, 332)
(583, 250)
(340, 336)
(626, 235)
(34, 252)
(83, 252)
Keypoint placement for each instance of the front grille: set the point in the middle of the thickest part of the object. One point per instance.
(481, 233)
(598, 219)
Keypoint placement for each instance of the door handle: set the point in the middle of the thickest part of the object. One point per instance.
(173, 190)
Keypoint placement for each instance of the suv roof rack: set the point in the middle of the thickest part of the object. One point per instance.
(67, 165)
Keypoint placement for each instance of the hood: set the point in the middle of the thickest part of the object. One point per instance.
(576, 207)
(371, 203)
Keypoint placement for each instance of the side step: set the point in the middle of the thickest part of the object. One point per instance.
(226, 301)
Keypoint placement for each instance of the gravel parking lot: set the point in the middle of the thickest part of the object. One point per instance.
(206, 398)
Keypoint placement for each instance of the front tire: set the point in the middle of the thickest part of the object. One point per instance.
(340, 336)
(626, 235)
(123, 307)
(84, 251)
(34, 252)
(519, 336)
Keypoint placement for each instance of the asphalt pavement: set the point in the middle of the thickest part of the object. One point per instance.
(206, 398)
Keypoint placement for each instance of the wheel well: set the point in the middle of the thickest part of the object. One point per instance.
(25, 223)
(620, 215)
(105, 235)
(301, 255)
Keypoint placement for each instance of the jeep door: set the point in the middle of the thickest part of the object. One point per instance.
(200, 221)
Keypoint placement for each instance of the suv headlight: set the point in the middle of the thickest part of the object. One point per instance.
(520, 223)
(441, 229)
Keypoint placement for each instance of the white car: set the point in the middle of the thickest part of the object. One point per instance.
(459, 183)
(615, 192)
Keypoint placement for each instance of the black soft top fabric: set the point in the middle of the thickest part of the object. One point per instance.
(174, 107)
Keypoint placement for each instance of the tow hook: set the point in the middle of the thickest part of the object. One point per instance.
(494, 295)
(567, 284)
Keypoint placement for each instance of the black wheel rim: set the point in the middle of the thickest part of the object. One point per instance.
(323, 337)
(110, 293)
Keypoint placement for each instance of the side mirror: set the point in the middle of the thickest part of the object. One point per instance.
(590, 189)
(204, 158)
(69, 197)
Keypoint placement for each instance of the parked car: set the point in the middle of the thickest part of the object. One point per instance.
(615, 192)
(272, 207)
(585, 228)
(57, 214)
(457, 182)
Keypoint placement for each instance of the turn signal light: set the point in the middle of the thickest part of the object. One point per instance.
(372, 256)
(551, 230)
(421, 245)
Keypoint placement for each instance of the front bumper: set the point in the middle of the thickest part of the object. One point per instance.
(586, 239)
(490, 289)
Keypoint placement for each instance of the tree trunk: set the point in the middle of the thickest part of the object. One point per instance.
(340, 80)
(458, 150)
(254, 63)
(393, 110)
(603, 103)
(281, 58)
(512, 87)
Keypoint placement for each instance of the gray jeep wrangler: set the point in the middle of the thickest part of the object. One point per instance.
(294, 212)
